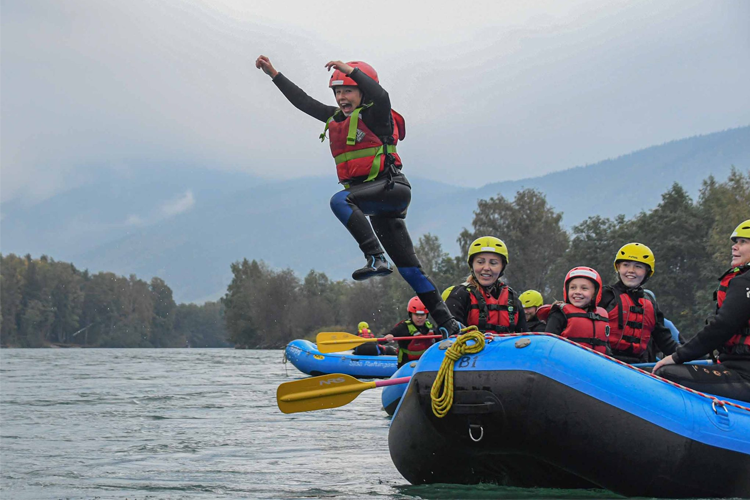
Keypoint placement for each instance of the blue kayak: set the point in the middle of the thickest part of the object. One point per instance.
(538, 411)
(304, 355)
(391, 395)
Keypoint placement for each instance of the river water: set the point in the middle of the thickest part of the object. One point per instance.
(192, 423)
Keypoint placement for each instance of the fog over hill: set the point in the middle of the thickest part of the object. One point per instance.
(187, 224)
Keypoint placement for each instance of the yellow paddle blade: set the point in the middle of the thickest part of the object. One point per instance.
(318, 393)
(339, 341)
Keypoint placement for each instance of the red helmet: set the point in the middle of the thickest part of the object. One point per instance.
(416, 306)
(339, 78)
(584, 272)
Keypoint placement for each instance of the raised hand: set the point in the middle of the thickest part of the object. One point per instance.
(339, 65)
(264, 63)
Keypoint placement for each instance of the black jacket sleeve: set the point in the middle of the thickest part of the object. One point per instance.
(302, 101)
(556, 322)
(729, 320)
(378, 116)
(400, 330)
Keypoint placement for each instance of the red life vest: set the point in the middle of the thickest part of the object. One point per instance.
(357, 151)
(366, 334)
(631, 324)
(586, 327)
(416, 347)
(490, 314)
(740, 343)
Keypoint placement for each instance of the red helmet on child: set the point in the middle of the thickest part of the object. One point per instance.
(339, 78)
(416, 306)
(584, 272)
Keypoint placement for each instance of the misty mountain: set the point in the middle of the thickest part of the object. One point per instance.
(187, 225)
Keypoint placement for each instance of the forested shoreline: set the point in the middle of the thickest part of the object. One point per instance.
(46, 303)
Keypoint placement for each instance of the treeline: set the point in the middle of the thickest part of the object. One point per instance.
(45, 302)
(690, 238)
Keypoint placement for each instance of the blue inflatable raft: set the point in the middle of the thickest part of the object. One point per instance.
(391, 395)
(538, 411)
(304, 355)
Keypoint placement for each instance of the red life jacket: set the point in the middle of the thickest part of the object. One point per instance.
(490, 314)
(366, 334)
(357, 151)
(586, 327)
(631, 324)
(416, 347)
(740, 343)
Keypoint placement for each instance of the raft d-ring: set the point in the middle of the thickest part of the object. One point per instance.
(715, 403)
(481, 433)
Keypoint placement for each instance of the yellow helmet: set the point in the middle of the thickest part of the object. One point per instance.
(531, 298)
(637, 252)
(742, 231)
(362, 325)
(487, 244)
(447, 292)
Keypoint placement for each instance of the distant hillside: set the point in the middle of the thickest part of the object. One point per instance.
(289, 223)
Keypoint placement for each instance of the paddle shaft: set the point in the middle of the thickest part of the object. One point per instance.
(363, 340)
(332, 391)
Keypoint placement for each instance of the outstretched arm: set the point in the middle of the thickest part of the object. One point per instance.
(294, 94)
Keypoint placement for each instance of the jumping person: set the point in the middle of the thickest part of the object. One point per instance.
(578, 318)
(635, 319)
(532, 301)
(728, 332)
(363, 132)
(484, 300)
(415, 326)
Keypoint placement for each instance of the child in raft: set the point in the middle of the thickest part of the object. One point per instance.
(635, 320)
(416, 326)
(578, 318)
(532, 301)
(363, 132)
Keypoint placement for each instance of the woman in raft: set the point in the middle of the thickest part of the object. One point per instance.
(728, 332)
(364, 130)
(484, 300)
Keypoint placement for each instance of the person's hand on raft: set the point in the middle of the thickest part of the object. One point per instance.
(664, 362)
(388, 337)
(339, 65)
(264, 63)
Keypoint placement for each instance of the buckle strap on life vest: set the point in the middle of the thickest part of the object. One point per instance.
(590, 315)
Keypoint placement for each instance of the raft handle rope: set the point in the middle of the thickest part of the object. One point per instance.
(471, 434)
(714, 400)
(442, 389)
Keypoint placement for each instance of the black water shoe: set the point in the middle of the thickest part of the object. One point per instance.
(376, 265)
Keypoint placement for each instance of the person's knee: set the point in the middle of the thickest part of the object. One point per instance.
(341, 207)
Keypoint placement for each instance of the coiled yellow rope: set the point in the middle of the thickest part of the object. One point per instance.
(442, 390)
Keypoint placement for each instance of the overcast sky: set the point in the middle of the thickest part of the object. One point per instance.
(490, 91)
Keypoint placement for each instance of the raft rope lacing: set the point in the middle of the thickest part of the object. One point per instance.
(442, 389)
(714, 400)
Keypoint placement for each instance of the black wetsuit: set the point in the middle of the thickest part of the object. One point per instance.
(661, 335)
(730, 378)
(459, 304)
(385, 199)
